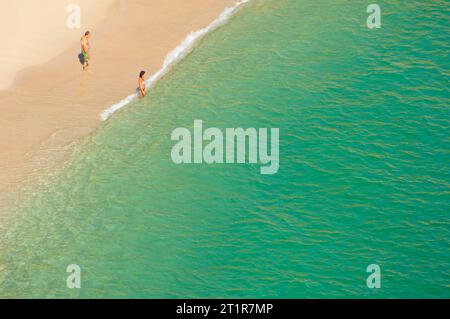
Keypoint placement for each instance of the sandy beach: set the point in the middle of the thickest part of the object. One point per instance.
(47, 102)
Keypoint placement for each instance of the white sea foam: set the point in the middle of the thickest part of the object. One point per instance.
(176, 55)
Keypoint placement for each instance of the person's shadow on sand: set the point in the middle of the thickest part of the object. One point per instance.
(81, 58)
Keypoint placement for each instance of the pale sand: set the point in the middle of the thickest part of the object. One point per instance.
(54, 104)
(34, 32)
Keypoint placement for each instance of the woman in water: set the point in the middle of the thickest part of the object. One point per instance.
(142, 84)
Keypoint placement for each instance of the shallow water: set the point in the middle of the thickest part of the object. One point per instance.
(364, 174)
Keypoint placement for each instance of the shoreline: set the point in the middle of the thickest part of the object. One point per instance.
(177, 54)
(48, 112)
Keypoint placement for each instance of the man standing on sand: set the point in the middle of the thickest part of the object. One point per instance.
(142, 84)
(85, 47)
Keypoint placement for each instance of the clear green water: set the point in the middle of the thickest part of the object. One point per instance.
(364, 176)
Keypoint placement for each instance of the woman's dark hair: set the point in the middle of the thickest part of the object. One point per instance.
(141, 74)
(87, 33)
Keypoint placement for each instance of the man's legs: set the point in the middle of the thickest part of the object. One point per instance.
(85, 61)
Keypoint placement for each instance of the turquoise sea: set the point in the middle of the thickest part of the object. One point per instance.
(364, 175)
